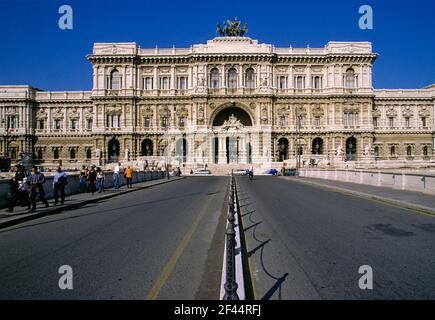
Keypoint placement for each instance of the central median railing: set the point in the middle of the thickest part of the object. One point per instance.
(232, 276)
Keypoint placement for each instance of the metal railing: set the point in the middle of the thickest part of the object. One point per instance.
(231, 284)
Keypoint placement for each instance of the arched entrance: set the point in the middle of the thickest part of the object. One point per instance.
(113, 150)
(317, 146)
(282, 149)
(146, 148)
(181, 150)
(225, 114)
(232, 143)
(351, 149)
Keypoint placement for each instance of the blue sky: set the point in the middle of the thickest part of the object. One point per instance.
(35, 51)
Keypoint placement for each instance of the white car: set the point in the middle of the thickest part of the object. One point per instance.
(239, 172)
(202, 172)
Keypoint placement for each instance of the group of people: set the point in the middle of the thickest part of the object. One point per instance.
(91, 179)
(28, 188)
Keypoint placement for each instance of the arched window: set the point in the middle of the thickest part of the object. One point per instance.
(115, 80)
(351, 145)
(282, 149)
(376, 151)
(249, 78)
(349, 79)
(214, 78)
(232, 78)
(393, 151)
(317, 147)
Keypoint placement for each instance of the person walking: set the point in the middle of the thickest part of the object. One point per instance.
(116, 172)
(82, 179)
(100, 180)
(59, 183)
(37, 180)
(92, 178)
(129, 177)
(19, 189)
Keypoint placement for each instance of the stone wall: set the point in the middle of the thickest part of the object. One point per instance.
(398, 180)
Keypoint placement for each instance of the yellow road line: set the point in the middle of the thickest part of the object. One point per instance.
(170, 265)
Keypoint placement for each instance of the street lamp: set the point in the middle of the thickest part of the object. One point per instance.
(167, 143)
(298, 153)
(5, 121)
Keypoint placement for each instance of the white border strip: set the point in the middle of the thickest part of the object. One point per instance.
(239, 266)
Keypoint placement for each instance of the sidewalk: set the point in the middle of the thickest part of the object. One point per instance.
(73, 201)
(417, 201)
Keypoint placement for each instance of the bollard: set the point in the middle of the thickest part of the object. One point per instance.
(230, 285)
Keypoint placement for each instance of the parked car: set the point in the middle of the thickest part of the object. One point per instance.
(239, 172)
(272, 172)
(202, 172)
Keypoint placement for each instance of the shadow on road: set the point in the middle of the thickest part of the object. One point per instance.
(262, 244)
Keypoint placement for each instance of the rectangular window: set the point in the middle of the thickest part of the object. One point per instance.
(317, 121)
(407, 122)
(282, 82)
(147, 122)
(73, 124)
(148, 83)
(423, 121)
(391, 120)
(164, 83)
(164, 122)
(57, 124)
(392, 151)
(300, 122)
(300, 82)
(41, 124)
(89, 124)
(182, 83)
(317, 82)
(282, 121)
(12, 122)
(181, 122)
(375, 122)
(113, 121)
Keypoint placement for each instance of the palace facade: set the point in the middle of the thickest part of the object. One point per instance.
(229, 101)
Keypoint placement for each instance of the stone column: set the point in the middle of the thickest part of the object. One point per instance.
(222, 150)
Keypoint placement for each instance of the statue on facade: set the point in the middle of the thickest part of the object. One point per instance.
(232, 123)
(366, 150)
(98, 153)
(232, 29)
(339, 150)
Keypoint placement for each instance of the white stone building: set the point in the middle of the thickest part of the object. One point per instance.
(227, 103)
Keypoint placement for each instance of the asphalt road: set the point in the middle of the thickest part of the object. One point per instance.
(306, 242)
(165, 242)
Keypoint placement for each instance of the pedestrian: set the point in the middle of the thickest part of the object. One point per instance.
(37, 180)
(92, 178)
(82, 179)
(19, 189)
(59, 183)
(100, 180)
(179, 172)
(116, 172)
(129, 177)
